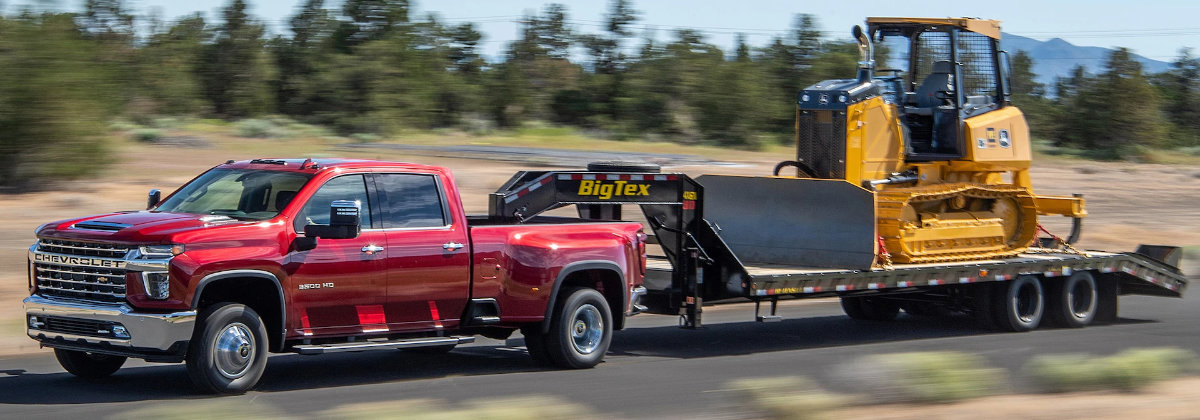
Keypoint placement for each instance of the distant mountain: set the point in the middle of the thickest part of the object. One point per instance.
(1055, 57)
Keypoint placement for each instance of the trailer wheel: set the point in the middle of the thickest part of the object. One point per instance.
(580, 331)
(228, 351)
(1020, 304)
(623, 166)
(88, 365)
(1072, 302)
(870, 309)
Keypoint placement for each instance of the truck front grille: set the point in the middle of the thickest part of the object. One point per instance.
(79, 281)
(82, 249)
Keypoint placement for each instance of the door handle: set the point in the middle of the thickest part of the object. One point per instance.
(371, 249)
(452, 246)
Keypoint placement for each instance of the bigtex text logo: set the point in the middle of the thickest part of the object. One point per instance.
(606, 190)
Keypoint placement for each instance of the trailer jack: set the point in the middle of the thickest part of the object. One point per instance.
(767, 318)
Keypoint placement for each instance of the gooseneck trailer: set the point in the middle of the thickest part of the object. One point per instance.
(730, 239)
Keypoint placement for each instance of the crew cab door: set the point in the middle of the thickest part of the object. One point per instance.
(337, 287)
(428, 258)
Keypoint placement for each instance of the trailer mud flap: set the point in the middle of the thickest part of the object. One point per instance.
(789, 221)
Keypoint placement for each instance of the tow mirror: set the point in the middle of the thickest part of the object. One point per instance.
(344, 222)
(153, 198)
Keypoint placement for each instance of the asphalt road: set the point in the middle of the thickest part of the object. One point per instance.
(653, 370)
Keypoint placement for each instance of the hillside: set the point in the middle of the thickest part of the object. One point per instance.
(1057, 57)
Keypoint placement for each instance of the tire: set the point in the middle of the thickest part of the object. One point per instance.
(228, 351)
(88, 365)
(535, 344)
(580, 331)
(1019, 304)
(1072, 303)
(870, 309)
(623, 166)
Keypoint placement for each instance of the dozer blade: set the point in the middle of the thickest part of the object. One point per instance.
(789, 221)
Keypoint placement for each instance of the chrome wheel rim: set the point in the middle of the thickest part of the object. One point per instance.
(587, 329)
(234, 350)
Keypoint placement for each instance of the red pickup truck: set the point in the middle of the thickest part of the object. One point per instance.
(315, 256)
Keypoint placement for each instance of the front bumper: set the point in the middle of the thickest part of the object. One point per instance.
(64, 324)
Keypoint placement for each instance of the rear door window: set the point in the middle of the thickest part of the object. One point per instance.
(411, 201)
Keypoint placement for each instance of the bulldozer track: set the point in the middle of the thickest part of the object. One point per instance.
(894, 228)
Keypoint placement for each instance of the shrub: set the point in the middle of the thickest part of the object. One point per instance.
(789, 397)
(147, 135)
(1128, 370)
(260, 129)
(936, 377)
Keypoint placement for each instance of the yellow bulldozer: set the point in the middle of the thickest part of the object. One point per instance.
(938, 144)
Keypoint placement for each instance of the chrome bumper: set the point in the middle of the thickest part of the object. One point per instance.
(145, 331)
(635, 301)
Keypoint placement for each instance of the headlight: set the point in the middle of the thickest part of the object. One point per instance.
(158, 284)
(160, 251)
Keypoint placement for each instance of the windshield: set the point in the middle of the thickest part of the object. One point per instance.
(238, 193)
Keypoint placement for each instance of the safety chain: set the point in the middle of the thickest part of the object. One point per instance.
(1060, 240)
(885, 258)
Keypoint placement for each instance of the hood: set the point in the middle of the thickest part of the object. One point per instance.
(137, 226)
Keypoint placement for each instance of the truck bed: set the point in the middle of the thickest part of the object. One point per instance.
(1138, 274)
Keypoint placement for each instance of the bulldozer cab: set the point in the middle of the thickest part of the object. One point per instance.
(943, 71)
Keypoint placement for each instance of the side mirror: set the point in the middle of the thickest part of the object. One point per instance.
(153, 198)
(344, 222)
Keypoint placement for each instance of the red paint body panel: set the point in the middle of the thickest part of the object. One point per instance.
(397, 290)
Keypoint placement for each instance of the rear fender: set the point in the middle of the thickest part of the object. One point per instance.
(588, 265)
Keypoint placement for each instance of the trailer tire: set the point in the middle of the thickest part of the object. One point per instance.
(870, 309)
(1020, 304)
(1072, 302)
(581, 330)
(623, 166)
(228, 351)
(88, 365)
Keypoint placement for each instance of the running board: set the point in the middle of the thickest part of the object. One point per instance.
(407, 343)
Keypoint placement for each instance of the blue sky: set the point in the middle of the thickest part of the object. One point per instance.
(1153, 28)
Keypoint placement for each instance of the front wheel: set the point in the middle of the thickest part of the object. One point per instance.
(88, 365)
(228, 351)
(580, 331)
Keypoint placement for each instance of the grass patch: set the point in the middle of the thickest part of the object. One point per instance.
(927, 377)
(1128, 370)
(789, 397)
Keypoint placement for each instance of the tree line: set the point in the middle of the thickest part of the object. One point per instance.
(369, 67)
